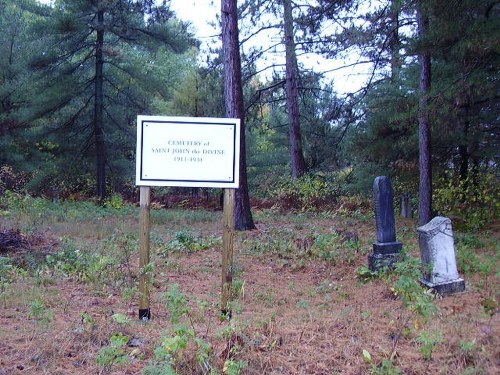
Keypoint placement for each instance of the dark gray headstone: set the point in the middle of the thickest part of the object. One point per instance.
(406, 209)
(386, 250)
(437, 252)
(384, 209)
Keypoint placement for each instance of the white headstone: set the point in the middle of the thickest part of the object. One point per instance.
(437, 252)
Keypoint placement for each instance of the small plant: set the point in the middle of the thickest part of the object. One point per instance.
(187, 241)
(303, 304)
(120, 318)
(428, 341)
(71, 261)
(467, 350)
(40, 312)
(8, 273)
(414, 296)
(238, 287)
(234, 367)
(364, 274)
(386, 367)
(181, 345)
(114, 353)
(115, 201)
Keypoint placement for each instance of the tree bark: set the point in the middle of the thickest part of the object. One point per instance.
(233, 92)
(424, 126)
(394, 41)
(99, 108)
(292, 94)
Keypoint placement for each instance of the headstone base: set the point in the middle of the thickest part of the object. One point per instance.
(446, 288)
(387, 247)
(376, 262)
(144, 314)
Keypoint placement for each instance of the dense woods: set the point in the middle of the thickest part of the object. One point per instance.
(74, 75)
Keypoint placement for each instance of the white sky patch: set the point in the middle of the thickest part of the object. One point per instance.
(200, 12)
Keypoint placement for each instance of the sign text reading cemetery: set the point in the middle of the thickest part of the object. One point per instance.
(187, 151)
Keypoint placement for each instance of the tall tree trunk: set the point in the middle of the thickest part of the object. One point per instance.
(98, 109)
(424, 126)
(394, 41)
(233, 92)
(292, 94)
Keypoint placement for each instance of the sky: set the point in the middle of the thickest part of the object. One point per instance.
(199, 12)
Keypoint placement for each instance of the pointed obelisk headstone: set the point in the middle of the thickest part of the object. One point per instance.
(437, 252)
(386, 250)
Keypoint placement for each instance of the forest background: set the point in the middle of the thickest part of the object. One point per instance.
(74, 76)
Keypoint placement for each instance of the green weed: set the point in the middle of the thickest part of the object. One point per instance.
(234, 367)
(428, 341)
(187, 241)
(115, 353)
(386, 367)
(40, 312)
(181, 347)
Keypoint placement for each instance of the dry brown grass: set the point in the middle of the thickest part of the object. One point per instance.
(295, 312)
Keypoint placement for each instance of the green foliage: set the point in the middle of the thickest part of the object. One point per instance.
(115, 201)
(413, 295)
(386, 367)
(49, 97)
(182, 216)
(428, 341)
(115, 353)
(468, 351)
(384, 141)
(472, 204)
(159, 369)
(120, 318)
(72, 261)
(334, 248)
(40, 312)
(185, 240)
(234, 367)
(176, 345)
(106, 265)
(468, 259)
(307, 192)
(364, 274)
(277, 241)
(8, 273)
(176, 303)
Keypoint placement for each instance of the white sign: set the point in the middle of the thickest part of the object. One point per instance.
(188, 151)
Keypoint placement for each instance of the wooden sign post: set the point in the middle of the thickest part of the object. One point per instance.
(189, 152)
(227, 252)
(144, 277)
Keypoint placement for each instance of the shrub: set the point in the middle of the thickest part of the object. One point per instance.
(309, 191)
(474, 203)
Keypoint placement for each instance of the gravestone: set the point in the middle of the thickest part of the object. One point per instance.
(437, 252)
(386, 250)
(406, 209)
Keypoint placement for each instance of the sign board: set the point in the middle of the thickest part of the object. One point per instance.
(188, 151)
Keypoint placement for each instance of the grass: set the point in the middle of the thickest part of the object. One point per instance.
(303, 303)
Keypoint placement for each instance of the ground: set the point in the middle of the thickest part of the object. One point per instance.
(299, 304)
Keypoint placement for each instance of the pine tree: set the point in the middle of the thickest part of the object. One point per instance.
(233, 92)
(424, 125)
(292, 97)
(99, 60)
